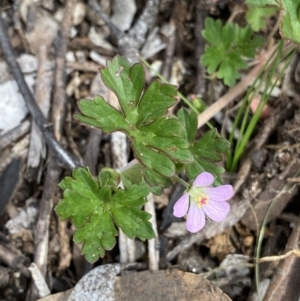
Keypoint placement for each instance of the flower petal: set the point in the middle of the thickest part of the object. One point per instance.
(217, 211)
(204, 179)
(181, 206)
(220, 193)
(195, 219)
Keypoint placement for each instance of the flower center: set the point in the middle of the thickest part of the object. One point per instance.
(202, 200)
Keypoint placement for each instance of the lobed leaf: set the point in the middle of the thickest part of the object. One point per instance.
(155, 138)
(155, 181)
(190, 122)
(96, 206)
(127, 82)
(127, 213)
(212, 32)
(139, 173)
(133, 222)
(108, 177)
(132, 175)
(211, 59)
(154, 159)
(97, 235)
(256, 16)
(163, 135)
(207, 150)
(230, 44)
(99, 113)
(155, 101)
(135, 196)
(211, 146)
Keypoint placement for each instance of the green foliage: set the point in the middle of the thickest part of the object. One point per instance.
(290, 17)
(290, 25)
(108, 177)
(256, 16)
(96, 206)
(136, 173)
(207, 150)
(163, 146)
(229, 46)
(156, 139)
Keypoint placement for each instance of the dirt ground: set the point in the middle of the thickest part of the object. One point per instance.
(60, 46)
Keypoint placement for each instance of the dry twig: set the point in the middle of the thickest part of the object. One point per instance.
(236, 91)
(44, 126)
(14, 134)
(287, 273)
(59, 99)
(153, 253)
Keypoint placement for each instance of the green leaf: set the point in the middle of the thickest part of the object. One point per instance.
(154, 159)
(127, 213)
(247, 43)
(132, 175)
(201, 165)
(156, 139)
(133, 222)
(139, 173)
(127, 82)
(290, 22)
(212, 32)
(159, 145)
(228, 70)
(95, 206)
(227, 33)
(164, 135)
(256, 16)
(190, 122)
(211, 58)
(108, 177)
(230, 45)
(85, 203)
(135, 196)
(207, 151)
(155, 181)
(155, 101)
(97, 235)
(99, 113)
(211, 146)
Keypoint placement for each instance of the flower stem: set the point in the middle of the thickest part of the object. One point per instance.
(179, 180)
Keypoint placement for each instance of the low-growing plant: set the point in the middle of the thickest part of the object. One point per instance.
(164, 146)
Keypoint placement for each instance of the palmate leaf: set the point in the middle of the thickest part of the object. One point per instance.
(138, 173)
(142, 116)
(207, 151)
(127, 214)
(229, 46)
(290, 21)
(96, 206)
(92, 114)
(256, 16)
(161, 140)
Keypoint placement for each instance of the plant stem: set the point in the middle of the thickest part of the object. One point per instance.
(180, 181)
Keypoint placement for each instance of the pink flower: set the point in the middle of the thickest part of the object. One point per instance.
(203, 199)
